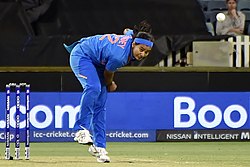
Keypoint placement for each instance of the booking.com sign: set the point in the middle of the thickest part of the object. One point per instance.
(49, 116)
(219, 115)
(47, 110)
(139, 110)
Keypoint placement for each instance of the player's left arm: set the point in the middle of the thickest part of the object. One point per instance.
(111, 66)
(108, 76)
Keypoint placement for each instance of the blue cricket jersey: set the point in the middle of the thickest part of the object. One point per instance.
(110, 51)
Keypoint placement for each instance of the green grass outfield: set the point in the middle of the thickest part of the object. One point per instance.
(153, 154)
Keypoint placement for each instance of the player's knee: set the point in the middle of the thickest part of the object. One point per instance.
(93, 90)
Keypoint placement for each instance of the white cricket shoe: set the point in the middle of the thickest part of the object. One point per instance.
(93, 151)
(99, 153)
(83, 137)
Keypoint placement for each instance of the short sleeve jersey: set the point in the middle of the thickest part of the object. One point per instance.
(110, 50)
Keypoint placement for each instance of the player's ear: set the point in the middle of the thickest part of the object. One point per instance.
(133, 44)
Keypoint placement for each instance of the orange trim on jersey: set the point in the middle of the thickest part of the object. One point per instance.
(82, 76)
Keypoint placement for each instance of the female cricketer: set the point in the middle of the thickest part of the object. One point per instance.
(94, 61)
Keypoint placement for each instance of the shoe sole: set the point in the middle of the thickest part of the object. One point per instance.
(89, 143)
(102, 161)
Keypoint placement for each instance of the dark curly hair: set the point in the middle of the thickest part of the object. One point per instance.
(228, 0)
(143, 30)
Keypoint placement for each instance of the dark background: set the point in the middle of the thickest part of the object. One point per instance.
(39, 43)
(176, 23)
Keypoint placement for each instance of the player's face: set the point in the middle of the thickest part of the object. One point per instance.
(140, 51)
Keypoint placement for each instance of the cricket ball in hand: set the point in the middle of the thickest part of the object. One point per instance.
(220, 17)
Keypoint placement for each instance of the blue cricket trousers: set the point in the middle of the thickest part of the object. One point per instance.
(92, 106)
